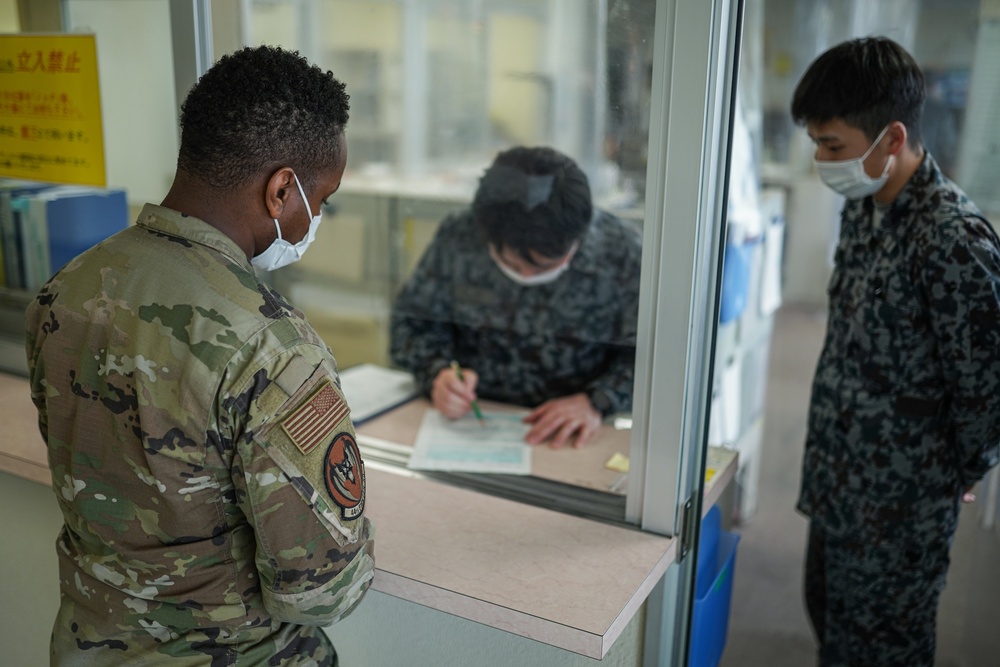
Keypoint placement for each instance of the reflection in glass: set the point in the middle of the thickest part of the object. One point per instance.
(533, 289)
(440, 86)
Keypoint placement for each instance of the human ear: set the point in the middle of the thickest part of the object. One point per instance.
(279, 187)
(897, 136)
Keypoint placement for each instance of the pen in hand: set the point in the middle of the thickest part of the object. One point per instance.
(475, 405)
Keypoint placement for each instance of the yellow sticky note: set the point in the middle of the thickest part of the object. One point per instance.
(709, 474)
(617, 463)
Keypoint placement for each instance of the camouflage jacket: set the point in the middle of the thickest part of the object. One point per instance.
(201, 453)
(528, 344)
(905, 406)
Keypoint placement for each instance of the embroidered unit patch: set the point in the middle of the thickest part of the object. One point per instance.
(345, 475)
(312, 422)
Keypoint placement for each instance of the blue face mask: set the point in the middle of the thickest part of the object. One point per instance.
(282, 253)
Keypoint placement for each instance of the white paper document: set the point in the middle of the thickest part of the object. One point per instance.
(463, 445)
(371, 390)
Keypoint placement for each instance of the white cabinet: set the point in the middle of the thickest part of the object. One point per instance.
(743, 352)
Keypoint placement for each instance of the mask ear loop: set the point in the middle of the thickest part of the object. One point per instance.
(892, 156)
(277, 226)
(308, 208)
(888, 163)
(874, 143)
(303, 193)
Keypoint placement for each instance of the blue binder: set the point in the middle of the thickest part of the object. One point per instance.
(59, 223)
(77, 222)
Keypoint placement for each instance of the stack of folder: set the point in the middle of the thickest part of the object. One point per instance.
(43, 227)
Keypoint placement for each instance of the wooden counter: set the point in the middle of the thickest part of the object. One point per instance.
(566, 581)
(554, 578)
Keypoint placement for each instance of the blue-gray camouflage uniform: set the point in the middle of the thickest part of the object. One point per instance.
(528, 344)
(202, 455)
(905, 413)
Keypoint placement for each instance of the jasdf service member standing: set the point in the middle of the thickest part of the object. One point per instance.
(905, 410)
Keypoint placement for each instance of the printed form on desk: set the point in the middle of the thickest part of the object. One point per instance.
(464, 445)
(371, 390)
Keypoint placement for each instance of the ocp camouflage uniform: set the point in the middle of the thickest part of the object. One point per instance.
(202, 455)
(528, 344)
(905, 412)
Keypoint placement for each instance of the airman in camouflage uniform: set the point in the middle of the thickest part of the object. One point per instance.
(905, 410)
(528, 343)
(201, 450)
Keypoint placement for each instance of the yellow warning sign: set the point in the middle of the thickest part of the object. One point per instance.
(50, 109)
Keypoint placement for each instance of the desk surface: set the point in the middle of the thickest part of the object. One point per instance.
(555, 578)
(551, 577)
(583, 466)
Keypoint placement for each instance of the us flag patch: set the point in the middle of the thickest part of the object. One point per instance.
(312, 422)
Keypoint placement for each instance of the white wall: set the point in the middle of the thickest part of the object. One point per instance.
(29, 587)
(9, 16)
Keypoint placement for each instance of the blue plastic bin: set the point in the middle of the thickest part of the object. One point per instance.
(708, 549)
(713, 592)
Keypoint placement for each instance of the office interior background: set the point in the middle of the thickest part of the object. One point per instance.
(439, 86)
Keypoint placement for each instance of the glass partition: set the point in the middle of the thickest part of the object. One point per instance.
(637, 92)
(439, 88)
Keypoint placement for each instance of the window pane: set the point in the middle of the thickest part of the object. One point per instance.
(439, 88)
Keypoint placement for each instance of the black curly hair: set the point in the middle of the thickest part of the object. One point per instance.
(868, 83)
(545, 215)
(260, 108)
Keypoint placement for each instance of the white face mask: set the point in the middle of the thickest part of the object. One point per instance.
(282, 253)
(848, 177)
(534, 279)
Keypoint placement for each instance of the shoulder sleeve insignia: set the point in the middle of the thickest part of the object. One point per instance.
(344, 474)
(311, 423)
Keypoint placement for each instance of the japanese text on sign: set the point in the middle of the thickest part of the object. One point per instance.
(50, 110)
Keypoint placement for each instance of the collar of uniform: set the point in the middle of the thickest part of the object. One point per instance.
(914, 195)
(586, 256)
(173, 223)
(910, 199)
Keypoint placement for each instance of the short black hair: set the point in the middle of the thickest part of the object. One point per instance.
(868, 83)
(533, 199)
(260, 108)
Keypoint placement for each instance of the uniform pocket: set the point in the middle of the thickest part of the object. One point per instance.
(887, 338)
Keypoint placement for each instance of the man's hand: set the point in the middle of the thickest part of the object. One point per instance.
(560, 419)
(453, 397)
